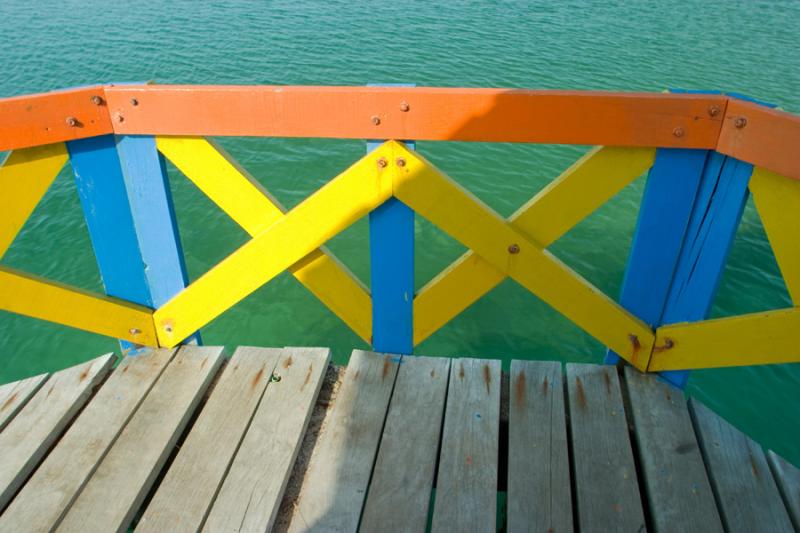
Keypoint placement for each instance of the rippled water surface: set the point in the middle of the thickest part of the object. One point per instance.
(750, 47)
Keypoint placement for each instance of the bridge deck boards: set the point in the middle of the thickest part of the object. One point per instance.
(404, 443)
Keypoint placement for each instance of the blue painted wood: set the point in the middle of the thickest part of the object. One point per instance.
(391, 245)
(128, 209)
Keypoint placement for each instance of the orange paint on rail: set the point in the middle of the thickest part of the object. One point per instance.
(761, 136)
(422, 113)
(48, 118)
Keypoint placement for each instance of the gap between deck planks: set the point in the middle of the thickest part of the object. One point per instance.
(14, 396)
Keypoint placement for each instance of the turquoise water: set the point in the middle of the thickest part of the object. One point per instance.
(750, 47)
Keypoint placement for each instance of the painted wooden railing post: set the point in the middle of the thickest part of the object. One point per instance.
(123, 188)
(391, 244)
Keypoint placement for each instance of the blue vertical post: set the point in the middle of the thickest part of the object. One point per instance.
(391, 243)
(126, 200)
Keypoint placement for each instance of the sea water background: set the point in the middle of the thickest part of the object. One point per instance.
(747, 46)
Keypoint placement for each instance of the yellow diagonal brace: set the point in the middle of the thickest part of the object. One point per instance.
(251, 206)
(24, 178)
(586, 185)
(777, 200)
(754, 339)
(36, 297)
(342, 201)
(431, 194)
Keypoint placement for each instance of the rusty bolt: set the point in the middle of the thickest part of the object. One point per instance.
(96, 100)
(134, 331)
(382, 162)
(740, 122)
(168, 328)
(513, 249)
(404, 107)
(401, 162)
(678, 132)
(119, 118)
(376, 119)
(134, 102)
(72, 122)
(713, 111)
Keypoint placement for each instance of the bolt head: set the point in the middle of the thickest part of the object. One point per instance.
(513, 249)
(713, 111)
(96, 100)
(119, 118)
(678, 132)
(376, 119)
(382, 162)
(134, 102)
(740, 122)
(72, 122)
(134, 331)
(400, 162)
(168, 328)
(404, 107)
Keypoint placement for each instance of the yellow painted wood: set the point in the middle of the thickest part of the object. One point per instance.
(577, 192)
(251, 206)
(457, 212)
(46, 300)
(777, 200)
(754, 339)
(24, 178)
(342, 201)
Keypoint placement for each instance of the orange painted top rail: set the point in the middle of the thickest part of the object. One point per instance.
(733, 127)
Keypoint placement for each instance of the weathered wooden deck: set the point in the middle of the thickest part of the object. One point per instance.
(279, 439)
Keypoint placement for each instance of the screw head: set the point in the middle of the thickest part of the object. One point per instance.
(375, 119)
(382, 162)
(134, 331)
(678, 132)
(119, 118)
(513, 249)
(404, 107)
(168, 328)
(401, 162)
(134, 102)
(740, 122)
(274, 378)
(713, 111)
(72, 122)
(96, 100)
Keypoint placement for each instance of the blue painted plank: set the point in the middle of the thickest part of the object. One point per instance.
(127, 205)
(391, 244)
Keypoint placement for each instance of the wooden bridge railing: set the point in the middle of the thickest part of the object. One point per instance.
(705, 154)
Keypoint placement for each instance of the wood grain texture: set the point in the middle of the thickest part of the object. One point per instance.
(400, 490)
(539, 497)
(28, 437)
(335, 483)
(747, 495)
(788, 478)
(186, 493)
(466, 487)
(251, 494)
(678, 492)
(14, 396)
(118, 486)
(45, 498)
(605, 473)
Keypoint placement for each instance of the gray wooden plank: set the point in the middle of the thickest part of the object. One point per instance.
(116, 490)
(184, 497)
(45, 498)
(466, 488)
(400, 490)
(13, 396)
(251, 494)
(338, 473)
(33, 431)
(539, 494)
(747, 495)
(679, 494)
(788, 478)
(606, 488)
